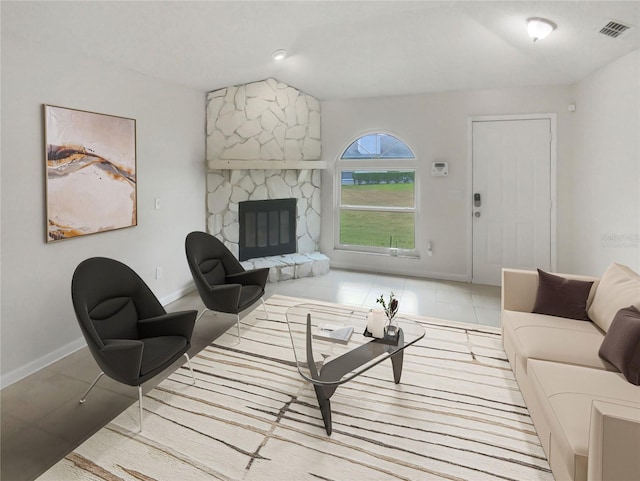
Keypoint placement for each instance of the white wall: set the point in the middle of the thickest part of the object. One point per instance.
(435, 126)
(38, 323)
(605, 182)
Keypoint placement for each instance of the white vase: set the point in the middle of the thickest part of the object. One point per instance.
(376, 320)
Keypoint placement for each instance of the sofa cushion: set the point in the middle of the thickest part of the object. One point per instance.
(562, 297)
(565, 394)
(619, 288)
(621, 345)
(538, 336)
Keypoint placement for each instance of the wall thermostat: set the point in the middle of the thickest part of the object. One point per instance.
(440, 169)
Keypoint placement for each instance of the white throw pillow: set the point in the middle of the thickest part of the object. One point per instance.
(619, 288)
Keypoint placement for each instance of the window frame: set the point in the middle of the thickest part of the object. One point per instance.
(376, 164)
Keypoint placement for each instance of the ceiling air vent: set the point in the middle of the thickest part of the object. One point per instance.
(614, 29)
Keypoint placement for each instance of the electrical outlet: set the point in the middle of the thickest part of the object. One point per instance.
(158, 272)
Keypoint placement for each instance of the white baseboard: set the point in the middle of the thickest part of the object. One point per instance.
(42, 362)
(174, 296)
(442, 276)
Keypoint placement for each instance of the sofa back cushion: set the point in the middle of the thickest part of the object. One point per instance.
(621, 345)
(619, 288)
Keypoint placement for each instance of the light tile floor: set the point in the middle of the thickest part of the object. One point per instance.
(456, 301)
(42, 420)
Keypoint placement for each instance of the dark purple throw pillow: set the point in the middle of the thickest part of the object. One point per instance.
(621, 345)
(562, 297)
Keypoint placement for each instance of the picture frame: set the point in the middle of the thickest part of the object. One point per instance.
(90, 172)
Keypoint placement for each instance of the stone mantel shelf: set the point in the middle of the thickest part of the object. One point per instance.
(266, 164)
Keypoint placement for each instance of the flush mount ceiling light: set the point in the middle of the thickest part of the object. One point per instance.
(279, 54)
(539, 28)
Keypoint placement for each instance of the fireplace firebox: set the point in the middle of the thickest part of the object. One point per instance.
(267, 228)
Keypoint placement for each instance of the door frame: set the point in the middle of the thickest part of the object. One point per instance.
(553, 184)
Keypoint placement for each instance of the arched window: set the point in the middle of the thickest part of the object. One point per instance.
(377, 195)
(378, 146)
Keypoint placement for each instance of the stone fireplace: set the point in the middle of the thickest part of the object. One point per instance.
(263, 143)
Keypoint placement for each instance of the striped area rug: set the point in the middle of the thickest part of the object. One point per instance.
(456, 415)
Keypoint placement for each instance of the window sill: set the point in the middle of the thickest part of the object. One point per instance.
(401, 253)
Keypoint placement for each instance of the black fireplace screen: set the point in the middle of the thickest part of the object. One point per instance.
(267, 227)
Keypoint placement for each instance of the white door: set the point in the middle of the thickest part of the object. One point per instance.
(511, 197)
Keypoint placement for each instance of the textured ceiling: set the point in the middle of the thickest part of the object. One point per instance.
(336, 49)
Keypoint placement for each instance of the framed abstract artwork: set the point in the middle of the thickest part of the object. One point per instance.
(91, 183)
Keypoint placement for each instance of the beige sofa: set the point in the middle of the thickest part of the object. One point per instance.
(586, 413)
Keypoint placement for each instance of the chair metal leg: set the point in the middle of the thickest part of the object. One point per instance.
(140, 404)
(189, 364)
(84, 397)
(265, 308)
(139, 393)
(202, 314)
(215, 312)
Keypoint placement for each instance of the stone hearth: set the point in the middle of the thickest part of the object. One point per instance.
(291, 266)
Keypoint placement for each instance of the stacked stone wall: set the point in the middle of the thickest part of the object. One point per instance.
(266, 120)
(270, 121)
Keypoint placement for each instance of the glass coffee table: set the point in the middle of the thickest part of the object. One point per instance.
(327, 364)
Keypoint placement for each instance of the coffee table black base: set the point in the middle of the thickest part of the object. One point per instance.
(334, 370)
(324, 395)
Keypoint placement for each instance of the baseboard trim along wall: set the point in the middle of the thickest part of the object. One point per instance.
(377, 269)
(174, 296)
(42, 362)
